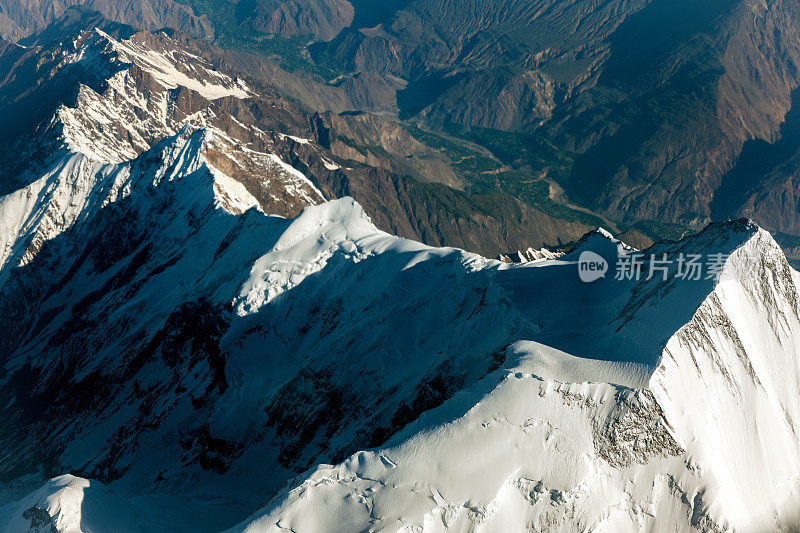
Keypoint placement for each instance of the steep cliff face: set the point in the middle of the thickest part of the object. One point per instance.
(744, 373)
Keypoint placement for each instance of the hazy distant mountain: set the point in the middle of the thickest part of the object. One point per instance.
(19, 18)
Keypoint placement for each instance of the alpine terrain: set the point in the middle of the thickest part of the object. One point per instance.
(239, 296)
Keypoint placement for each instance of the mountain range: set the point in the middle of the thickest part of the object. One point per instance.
(247, 278)
(661, 110)
(21, 18)
(626, 111)
(402, 182)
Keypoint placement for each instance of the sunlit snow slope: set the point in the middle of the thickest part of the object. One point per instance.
(551, 442)
(184, 351)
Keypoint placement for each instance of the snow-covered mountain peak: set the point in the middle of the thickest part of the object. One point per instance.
(599, 241)
(170, 62)
(338, 228)
(530, 255)
(78, 186)
(136, 98)
(493, 395)
(553, 441)
(140, 101)
(173, 66)
(605, 233)
(120, 97)
(729, 373)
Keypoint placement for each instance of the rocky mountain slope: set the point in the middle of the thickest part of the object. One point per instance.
(657, 105)
(20, 18)
(115, 93)
(629, 109)
(320, 18)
